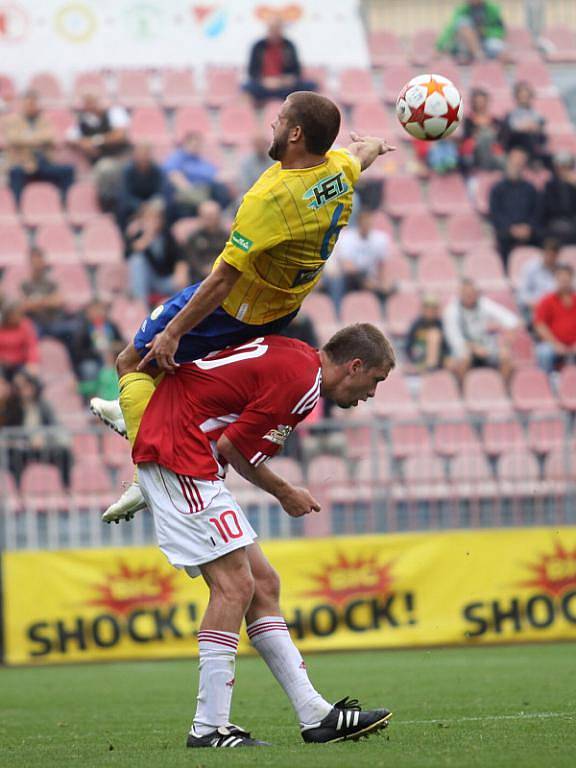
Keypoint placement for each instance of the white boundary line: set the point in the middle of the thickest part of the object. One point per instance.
(518, 716)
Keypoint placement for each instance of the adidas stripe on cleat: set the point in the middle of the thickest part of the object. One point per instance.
(346, 722)
(227, 736)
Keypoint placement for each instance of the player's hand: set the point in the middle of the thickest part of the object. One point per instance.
(383, 146)
(162, 349)
(298, 502)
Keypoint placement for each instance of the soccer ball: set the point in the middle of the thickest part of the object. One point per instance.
(429, 107)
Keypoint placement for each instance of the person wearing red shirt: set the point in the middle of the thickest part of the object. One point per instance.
(555, 322)
(237, 406)
(18, 340)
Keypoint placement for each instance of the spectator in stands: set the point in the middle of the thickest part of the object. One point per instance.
(555, 322)
(523, 127)
(42, 440)
(203, 246)
(152, 253)
(470, 324)
(18, 340)
(95, 346)
(101, 137)
(254, 164)
(359, 260)
(538, 278)
(142, 181)
(515, 207)
(559, 200)
(42, 301)
(426, 347)
(475, 31)
(29, 139)
(479, 138)
(192, 178)
(274, 70)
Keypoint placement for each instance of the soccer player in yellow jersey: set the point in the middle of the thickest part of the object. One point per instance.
(282, 236)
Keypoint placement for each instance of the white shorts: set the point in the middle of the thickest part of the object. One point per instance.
(196, 521)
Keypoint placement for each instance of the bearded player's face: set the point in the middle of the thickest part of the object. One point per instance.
(280, 133)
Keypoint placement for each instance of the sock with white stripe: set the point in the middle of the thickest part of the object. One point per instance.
(271, 638)
(217, 662)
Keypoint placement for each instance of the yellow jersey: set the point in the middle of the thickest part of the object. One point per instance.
(283, 234)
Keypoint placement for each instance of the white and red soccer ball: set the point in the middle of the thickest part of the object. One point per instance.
(429, 107)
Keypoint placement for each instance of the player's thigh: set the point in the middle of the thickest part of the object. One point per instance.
(230, 576)
(267, 581)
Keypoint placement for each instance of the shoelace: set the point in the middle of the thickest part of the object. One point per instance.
(347, 703)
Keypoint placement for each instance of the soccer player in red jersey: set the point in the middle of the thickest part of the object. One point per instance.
(237, 407)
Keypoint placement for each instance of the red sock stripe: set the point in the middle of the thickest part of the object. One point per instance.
(219, 638)
(260, 629)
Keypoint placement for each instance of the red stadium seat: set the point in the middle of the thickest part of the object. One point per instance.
(361, 306)
(492, 72)
(439, 396)
(317, 74)
(394, 79)
(537, 74)
(522, 349)
(49, 89)
(320, 309)
(519, 467)
(193, 118)
(423, 48)
(484, 393)
(238, 124)
(356, 86)
(101, 243)
(133, 89)
(448, 195)
(41, 204)
(116, 453)
(288, 468)
(423, 468)
(148, 125)
(41, 487)
(178, 88)
(502, 435)
(12, 277)
(385, 48)
(58, 243)
(452, 438)
(7, 88)
(530, 391)
(81, 203)
(559, 467)
(86, 444)
(371, 119)
(464, 232)
(222, 86)
(409, 439)
(128, 315)
(54, 360)
(89, 82)
(567, 388)
(471, 480)
(13, 244)
(393, 400)
(546, 432)
(401, 310)
(404, 196)
(483, 183)
(556, 113)
(61, 121)
(91, 485)
(112, 278)
(419, 233)
(437, 272)
(73, 282)
(484, 266)
(399, 273)
(8, 212)
(560, 44)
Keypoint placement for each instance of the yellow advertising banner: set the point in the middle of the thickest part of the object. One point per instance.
(401, 590)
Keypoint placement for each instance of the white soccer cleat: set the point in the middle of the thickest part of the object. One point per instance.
(125, 508)
(110, 413)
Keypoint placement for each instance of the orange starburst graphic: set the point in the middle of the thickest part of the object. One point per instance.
(128, 588)
(433, 86)
(555, 573)
(346, 579)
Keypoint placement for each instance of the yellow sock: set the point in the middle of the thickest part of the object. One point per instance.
(136, 389)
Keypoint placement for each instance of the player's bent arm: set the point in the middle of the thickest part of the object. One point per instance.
(368, 148)
(295, 501)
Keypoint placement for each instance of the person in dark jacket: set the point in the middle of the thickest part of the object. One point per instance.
(426, 347)
(559, 212)
(142, 180)
(274, 70)
(515, 207)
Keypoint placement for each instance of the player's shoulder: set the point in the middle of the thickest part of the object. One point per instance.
(342, 158)
(297, 359)
(265, 183)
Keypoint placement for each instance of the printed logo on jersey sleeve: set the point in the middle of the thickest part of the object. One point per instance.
(325, 190)
(241, 241)
(279, 435)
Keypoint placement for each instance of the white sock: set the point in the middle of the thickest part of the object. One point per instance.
(271, 638)
(217, 661)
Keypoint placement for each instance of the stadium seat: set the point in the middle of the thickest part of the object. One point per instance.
(287, 468)
(484, 266)
(453, 437)
(360, 306)
(403, 197)
(320, 309)
(133, 88)
(41, 487)
(89, 82)
(419, 233)
(530, 391)
(424, 478)
(73, 282)
(492, 72)
(86, 444)
(192, 118)
(448, 195)
(559, 468)
(178, 88)
(356, 86)
(148, 125)
(484, 393)
(13, 244)
(520, 47)
(101, 242)
(567, 388)
(237, 124)
(464, 232)
(521, 468)
(49, 89)
(482, 184)
(399, 273)
(128, 314)
(537, 74)
(522, 349)
(222, 86)
(439, 396)
(409, 439)
(471, 480)
(557, 116)
(111, 279)
(115, 450)
(61, 120)
(58, 244)
(81, 204)
(560, 44)
(423, 49)
(91, 485)
(41, 204)
(385, 48)
(546, 431)
(502, 435)
(446, 66)
(8, 211)
(393, 399)
(13, 275)
(54, 360)
(437, 272)
(371, 119)
(401, 310)
(394, 79)
(7, 88)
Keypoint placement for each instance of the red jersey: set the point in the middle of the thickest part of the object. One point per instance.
(559, 317)
(255, 393)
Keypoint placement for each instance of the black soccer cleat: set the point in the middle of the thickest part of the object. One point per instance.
(346, 722)
(225, 736)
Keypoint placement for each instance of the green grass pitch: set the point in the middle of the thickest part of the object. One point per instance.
(490, 707)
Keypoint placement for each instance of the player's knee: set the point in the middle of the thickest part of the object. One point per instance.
(267, 587)
(237, 588)
(127, 361)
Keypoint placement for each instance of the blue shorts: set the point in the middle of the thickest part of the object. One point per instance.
(216, 331)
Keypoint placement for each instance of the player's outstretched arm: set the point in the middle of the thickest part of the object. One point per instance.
(295, 501)
(207, 298)
(368, 148)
